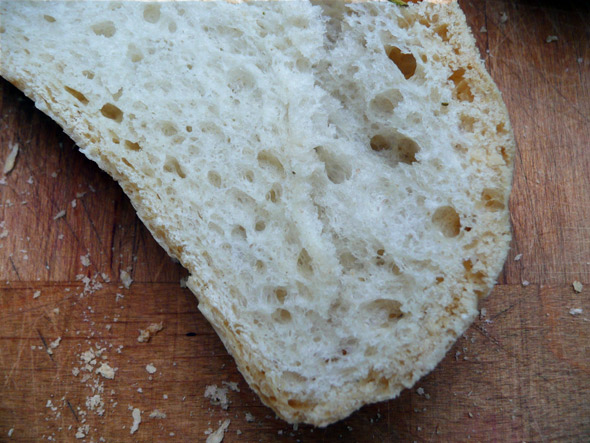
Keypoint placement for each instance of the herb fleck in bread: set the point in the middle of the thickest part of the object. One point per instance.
(334, 177)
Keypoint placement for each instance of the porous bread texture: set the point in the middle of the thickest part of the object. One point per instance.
(334, 177)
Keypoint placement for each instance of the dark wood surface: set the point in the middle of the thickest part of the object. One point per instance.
(520, 373)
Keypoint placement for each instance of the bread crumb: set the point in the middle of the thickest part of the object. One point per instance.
(420, 391)
(146, 334)
(82, 431)
(218, 396)
(157, 414)
(85, 260)
(106, 371)
(577, 286)
(75, 372)
(503, 18)
(126, 279)
(576, 311)
(483, 29)
(249, 417)
(183, 282)
(525, 283)
(37, 294)
(518, 257)
(74, 204)
(233, 385)
(551, 38)
(136, 414)
(10, 158)
(54, 344)
(60, 214)
(10, 431)
(151, 369)
(217, 436)
(4, 233)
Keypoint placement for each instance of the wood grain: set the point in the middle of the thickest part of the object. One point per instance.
(520, 373)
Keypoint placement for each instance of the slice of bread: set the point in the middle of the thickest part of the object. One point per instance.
(334, 177)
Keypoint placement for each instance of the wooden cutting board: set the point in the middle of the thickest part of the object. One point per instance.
(520, 373)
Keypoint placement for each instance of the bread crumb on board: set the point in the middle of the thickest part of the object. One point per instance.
(577, 286)
(126, 279)
(106, 371)
(218, 396)
(518, 257)
(85, 260)
(136, 414)
(10, 431)
(146, 334)
(10, 158)
(551, 38)
(60, 214)
(217, 436)
(150, 368)
(157, 414)
(576, 311)
(37, 294)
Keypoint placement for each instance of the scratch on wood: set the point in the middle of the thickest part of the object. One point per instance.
(492, 339)
(72, 409)
(45, 344)
(14, 267)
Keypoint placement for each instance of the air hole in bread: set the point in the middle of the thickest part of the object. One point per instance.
(189, 129)
(132, 146)
(493, 199)
(169, 129)
(134, 53)
(106, 29)
(88, 74)
(349, 262)
(500, 128)
(298, 404)
(467, 123)
(214, 178)
(281, 316)
(447, 221)
(172, 165)
(172, 26)
(79, 96)
(111, 111)
(270, 162)
(504, 154)
(462, 89)
(151, 13)
(477, 277)
(260, 266)
(49, 18)
(393, 148)
(260, 226)
(304, 263)
(294, 378)
(249, 175)
(443, 32)
(215, 227)
(336, 171)
(384, 311)
(274, 195)
(370, 351)
(239, 232)
(124, 160)
(439, 280)
(384, 103)
(405, 62)
(280, 294)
